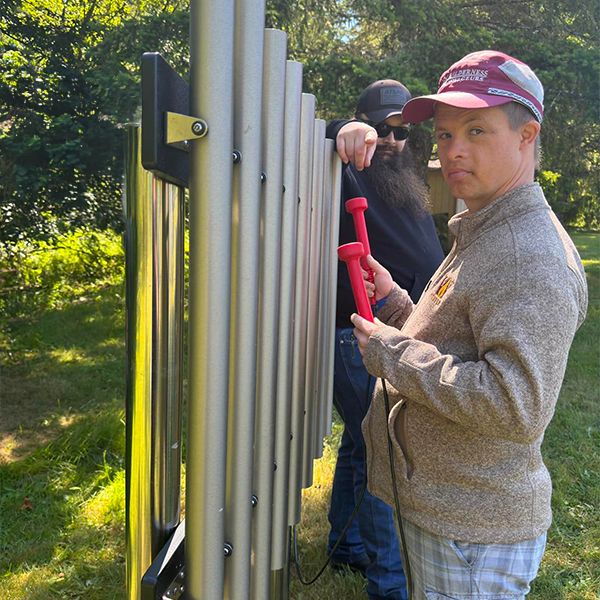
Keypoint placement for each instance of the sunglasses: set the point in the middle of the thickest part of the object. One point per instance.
(383, 130)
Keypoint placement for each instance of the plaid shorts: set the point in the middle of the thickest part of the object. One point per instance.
(444, 569)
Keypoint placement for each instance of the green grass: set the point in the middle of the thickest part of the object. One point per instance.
(62, 455)
(571, 565)
(62, 477)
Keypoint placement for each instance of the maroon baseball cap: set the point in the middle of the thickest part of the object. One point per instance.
(480, 80)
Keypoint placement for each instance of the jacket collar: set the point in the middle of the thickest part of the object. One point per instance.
(467, 227)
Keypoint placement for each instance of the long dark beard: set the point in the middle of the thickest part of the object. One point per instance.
(395, 178)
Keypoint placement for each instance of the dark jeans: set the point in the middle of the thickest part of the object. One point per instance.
(373, 534)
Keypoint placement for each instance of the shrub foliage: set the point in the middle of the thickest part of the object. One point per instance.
(41, 274)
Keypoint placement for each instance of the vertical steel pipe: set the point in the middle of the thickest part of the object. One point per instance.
(138, 243)
(326, 331)
(324, 219)
(211, 78)
(279, 544)
(174, 209)
(158, 406)
(300, 308)
(334, 166)
(310, 391)
(323, 315)
(273, 120)
(247, 136)
(167, 330)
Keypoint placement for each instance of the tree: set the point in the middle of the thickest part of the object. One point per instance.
(69, 77)
(559, 40)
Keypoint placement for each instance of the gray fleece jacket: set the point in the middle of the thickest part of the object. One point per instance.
(474, 371)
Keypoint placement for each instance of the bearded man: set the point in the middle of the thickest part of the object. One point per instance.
(402, 235)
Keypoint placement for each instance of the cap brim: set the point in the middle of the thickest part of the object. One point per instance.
(377, 116)
(422, 108)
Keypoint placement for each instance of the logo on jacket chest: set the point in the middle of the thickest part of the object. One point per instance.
(440, 291)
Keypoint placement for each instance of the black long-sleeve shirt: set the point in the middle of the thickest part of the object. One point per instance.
(404, 243)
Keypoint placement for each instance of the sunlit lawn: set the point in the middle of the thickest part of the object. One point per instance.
(62, 449)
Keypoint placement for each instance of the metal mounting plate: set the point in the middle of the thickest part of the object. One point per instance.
(180, 128)
(163, 91)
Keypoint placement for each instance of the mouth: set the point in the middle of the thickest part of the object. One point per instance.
(454, 175)
(386, 151)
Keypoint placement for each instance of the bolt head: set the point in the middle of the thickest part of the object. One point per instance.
(198, 128)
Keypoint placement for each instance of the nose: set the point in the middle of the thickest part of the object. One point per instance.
(454, 148)
(389, 138)
(389, 141)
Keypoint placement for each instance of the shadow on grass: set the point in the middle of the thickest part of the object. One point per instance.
(44, 495)
(62, 445)
(63, 364)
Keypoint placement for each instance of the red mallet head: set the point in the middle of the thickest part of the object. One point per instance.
(351, 255)
(356, 207)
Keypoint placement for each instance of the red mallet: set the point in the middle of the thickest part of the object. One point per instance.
(351, 255)
(356, 207)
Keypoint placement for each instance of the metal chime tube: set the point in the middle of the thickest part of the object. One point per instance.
(248, 66)
(325, 299)
(325, 207)
(138, 240)
(167, 354)
(273, 120)
(333, 164)
(174, 292)
(300, 308)
(157, 403)
(279, 543)
(155, 349)
(211, 77)
(310, 395)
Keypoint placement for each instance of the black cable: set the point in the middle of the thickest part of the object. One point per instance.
(335, 546)
(346, 527)
(403, 549)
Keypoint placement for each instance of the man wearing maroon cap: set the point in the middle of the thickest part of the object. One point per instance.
(474, 369)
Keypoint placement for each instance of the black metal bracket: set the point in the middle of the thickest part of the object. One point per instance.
(167, 125)
(165, 577)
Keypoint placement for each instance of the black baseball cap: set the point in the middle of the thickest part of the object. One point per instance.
(381, 100)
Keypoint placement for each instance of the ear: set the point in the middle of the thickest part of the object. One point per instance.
(529, 133)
